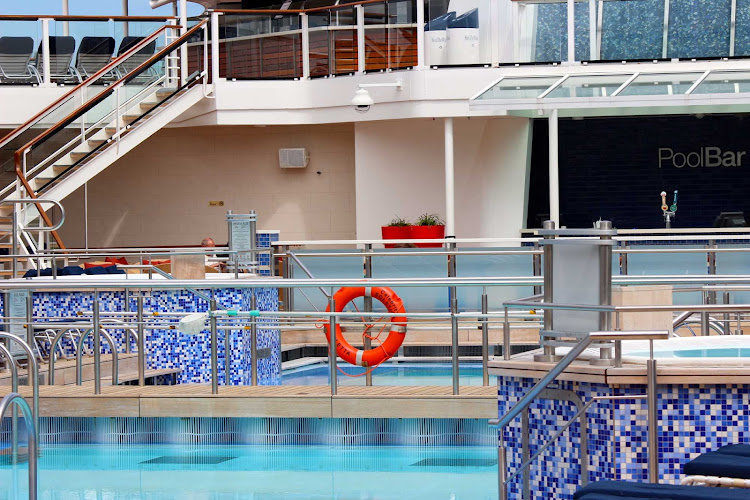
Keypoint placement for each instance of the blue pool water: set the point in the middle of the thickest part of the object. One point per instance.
(160, 472)
(718, 352)
(387, 374)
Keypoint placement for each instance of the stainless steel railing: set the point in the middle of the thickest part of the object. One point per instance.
(32, 429)
(33, 373)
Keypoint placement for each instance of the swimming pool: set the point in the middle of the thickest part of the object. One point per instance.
(160, 472)
(387, 374)
(714, 349)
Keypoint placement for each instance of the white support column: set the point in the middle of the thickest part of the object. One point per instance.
(592, 30)
(183, 47)
(420, 35)
(125, 12)
(45, 52)
(66, 12)
(450, 216)
(554, 178)
(360, 39)
(304, 22)
(571, 31)
(494, 34)
(214, 50)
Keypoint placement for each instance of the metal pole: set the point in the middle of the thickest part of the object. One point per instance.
(253, 241)
(215, 50)
(332, 346)
(141, 341)
(30, 318)
(727, 328)
(16, 249)
(506, 336)
(305, 46)
(485, 340)
(14, 388)
(653, 450)
(45, 52)
(128, 336)
(453, 301)
(66, 12)
(571, 32)
(554, 176)
(86, 215)
(227, 348)
(125, 26)
(361, 63)
(214, 352)
(704, 316)
(98, 345)
(549, 351)
(605, 289)
(368, 303)
(536, 265)
(420, 35)
(253, 341)
(184, 47)
(502, 467)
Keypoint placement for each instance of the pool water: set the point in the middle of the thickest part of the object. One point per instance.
(160, 472)
(387, 374)
(718, 352)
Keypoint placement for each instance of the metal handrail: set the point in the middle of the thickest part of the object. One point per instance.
(33, 374)
(13, 388)
(79, 357)
(32, 429)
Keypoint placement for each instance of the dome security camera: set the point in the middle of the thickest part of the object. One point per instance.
(362, 101)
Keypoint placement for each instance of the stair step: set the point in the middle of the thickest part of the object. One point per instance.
(95, 143)
(147, 106)
(77, 156)
(164, 93)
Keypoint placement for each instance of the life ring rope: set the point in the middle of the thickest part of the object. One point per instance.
(386, 348)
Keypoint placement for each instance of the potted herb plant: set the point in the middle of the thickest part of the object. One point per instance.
(398, 229)
(428, 226)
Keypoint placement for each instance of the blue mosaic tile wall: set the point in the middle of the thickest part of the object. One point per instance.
(170, 348)
(634, 30)
(692, 419)
(264, 239)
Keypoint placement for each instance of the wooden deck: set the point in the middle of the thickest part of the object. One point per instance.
(196, 400)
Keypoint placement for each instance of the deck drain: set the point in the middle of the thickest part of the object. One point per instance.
(455, 462)
(188, 460)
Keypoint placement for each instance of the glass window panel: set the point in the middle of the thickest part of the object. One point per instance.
(725, 82)
(589, 86)
(519, 88)
(661, 84)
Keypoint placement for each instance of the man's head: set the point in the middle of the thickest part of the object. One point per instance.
(208, 242)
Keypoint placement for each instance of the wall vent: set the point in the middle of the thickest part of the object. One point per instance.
(293, 157)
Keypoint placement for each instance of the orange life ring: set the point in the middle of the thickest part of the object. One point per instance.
(376, 355)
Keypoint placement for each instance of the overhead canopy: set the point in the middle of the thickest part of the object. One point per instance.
(614, 94)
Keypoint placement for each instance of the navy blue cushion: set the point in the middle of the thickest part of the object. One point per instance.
(718, 464)
(95, 270)
(622, 489)
(46, 272)
(741, 450)
(31, 273)
(113, 270)
(71, 271)
(468, 19)
(440, 22)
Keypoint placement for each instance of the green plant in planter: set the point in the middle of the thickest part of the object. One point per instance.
(399, 222)
(430, 220)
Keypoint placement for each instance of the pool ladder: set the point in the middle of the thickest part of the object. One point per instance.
(17, 399)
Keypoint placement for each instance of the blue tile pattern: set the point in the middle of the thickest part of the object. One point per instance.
(169, 348)
(692, 419)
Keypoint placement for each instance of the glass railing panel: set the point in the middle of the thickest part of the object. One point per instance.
(742, 29)
(343, 26)
(322, 46)
(588, 86)
(417, 266)
(376, 36)
(542, 31)
(519, 88)
(669, 263)
(660, 84)
(737, 263)
(632, 30)
(493, 266)
(699, 28)
(724, 82)
(262, 46)
(336, 267)
(458, 33)
(402, 34)
(21, 38)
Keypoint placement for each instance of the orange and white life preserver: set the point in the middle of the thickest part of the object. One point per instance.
(388, 348)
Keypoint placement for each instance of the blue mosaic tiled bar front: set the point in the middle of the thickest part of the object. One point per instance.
(692, 419)
(169, 348)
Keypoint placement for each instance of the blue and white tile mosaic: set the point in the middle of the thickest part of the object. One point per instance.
(692, 419)
(169, 348)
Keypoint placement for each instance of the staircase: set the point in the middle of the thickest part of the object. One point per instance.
(63, 147)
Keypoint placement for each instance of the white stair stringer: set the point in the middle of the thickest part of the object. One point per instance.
(136, 135)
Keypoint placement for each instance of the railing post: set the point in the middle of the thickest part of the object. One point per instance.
(605, 290)
(571, 32)
(420, 35)
(141, 341)
(727, 327)
(361, 63)
(16, 246)
(253, 341)
(549, 351)
(502, 467)
(453, 302)
(306, 46)
(624, 259)
(485, 340)
(215, 50)
(506, 336)
(98, 345)
(46, 67)
(332, 361)
(536, 266)
(214, 352)
(653, 448)
(30, 318)
(184, 47)
(368, 305)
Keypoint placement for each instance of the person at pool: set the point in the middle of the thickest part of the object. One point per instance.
(208, 242)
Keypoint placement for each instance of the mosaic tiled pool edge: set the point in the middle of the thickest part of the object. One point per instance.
(262, 431)
(692, 419)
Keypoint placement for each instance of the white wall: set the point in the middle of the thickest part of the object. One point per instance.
(400, 171)
(159, 193)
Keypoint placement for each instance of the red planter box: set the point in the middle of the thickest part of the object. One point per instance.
(395, 233)
(428, 233)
